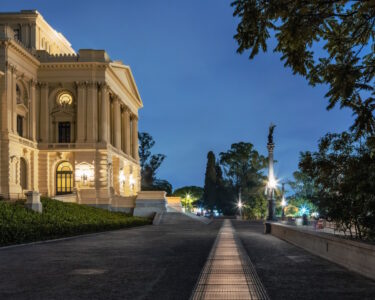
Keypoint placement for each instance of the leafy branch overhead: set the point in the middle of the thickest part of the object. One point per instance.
(327, 42)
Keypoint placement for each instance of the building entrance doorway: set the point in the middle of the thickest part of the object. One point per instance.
(64, 178)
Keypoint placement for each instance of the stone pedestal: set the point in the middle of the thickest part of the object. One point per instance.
(33, 201)
(149, 203)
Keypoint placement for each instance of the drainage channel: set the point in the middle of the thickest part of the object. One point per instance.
(228, 272)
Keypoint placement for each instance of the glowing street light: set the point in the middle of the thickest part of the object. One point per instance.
(239, 203)
(272, 182)
(187, 198)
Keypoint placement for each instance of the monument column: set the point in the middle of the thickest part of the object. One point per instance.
(43, 122)
(117, 122)
(135, 136)
(271, 179)
(104, 113)
(81, 112)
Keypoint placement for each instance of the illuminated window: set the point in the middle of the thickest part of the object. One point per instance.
(65, 99)
(64, 178)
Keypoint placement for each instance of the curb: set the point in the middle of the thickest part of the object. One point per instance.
(67, 238)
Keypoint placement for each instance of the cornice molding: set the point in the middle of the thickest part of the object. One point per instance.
(73, 65)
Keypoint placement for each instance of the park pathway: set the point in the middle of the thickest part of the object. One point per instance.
(228, 272)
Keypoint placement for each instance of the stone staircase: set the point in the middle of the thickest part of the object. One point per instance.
(70, 198)
(178, 218)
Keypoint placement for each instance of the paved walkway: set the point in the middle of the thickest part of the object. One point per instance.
(165, 262)
(228, 273)
(289, 272)
(149, 262)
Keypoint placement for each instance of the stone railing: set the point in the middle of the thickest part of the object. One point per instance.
(356, 256)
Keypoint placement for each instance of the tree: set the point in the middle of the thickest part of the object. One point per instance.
(209, 190)
(343, 194)
(243, 167)
(327, 42)
(149, 165)
(226, 196)
(191, 196)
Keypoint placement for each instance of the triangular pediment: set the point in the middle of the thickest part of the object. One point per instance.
(126, 77)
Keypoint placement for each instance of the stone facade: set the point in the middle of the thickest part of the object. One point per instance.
(69, 121)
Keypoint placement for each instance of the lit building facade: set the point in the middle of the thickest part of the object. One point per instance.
(68, 121)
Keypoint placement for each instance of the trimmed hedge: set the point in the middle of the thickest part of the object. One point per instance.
(20, 225)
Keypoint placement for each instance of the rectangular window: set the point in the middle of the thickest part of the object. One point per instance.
(64, 132)
(20, 125)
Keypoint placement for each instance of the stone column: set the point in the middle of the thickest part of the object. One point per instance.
(135, 137)
(32, 111)
(14, 101)
(127, 131)
(92, 112)
(44, 113)
(117, 122)
(24, 34)
(104, 113)
(33, 36)
(81, 112)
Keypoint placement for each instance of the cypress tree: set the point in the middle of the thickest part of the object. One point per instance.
(209, 193)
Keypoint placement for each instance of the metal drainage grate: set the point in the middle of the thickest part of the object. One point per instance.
(228, 272)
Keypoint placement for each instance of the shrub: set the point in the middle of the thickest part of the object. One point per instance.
(20, 225)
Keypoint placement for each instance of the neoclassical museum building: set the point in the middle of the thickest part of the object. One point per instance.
(68, 121)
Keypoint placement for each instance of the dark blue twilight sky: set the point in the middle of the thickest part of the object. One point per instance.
(198, 93)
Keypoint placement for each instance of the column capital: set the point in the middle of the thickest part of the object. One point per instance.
(81, 84)
(11, 66)
(103, 86)
(42, 84)
(33, 82)
(91, 83)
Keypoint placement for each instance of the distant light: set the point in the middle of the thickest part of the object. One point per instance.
(272, 182)
(131, 180)
(239, 204)
(122, 178)
(304, 210)
(283, 202)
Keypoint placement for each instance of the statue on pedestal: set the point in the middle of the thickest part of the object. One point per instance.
(270, 133)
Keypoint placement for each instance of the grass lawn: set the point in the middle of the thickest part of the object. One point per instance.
(20, 225)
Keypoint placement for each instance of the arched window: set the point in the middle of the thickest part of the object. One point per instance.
(64, 178)
(23, 173)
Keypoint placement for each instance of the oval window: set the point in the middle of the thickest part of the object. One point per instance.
(65, 99)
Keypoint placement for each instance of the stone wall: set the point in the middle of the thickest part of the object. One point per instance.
(356, 256)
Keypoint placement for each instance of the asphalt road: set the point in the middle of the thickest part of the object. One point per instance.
(150, 262)
(289, 272)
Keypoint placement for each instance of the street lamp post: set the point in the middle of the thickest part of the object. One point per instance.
(271, 179)
(283, 203)
(239, 204)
